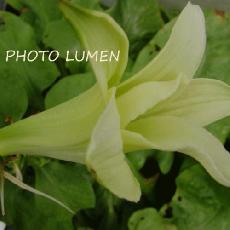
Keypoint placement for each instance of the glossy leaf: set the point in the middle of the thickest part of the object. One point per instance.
(140, 23)
(23, 217)
(14, 100)
(60, 36)
(44, 12)
(198, 193)
(68, 88)
(148, 218)
(18, 35)
(68, 183)
(152, 48)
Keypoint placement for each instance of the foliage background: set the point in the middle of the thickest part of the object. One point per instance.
(177, 192)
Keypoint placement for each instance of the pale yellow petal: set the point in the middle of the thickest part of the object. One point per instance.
(182, 53)
(106, 159)
(177, 134)
(144, 97)
(99, 32)
(203, 101)
(61, 132)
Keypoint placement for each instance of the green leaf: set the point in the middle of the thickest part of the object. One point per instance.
(221, 129)
(68, 183)
(68, 88)
(147, 219)
(14, 101)
(153, 47)
(216, 62)
(45, 17)
(107, 35)
(50, 26)
(15, 4)
(43, 12)
(165, 160)
(181, 54)
(59, 35)
(48, 11)
(144, 165)
(138, 158)
(24, 211)
(91, 4)
(17, 35)
(140, 23)
(212, 4)
(199, 202)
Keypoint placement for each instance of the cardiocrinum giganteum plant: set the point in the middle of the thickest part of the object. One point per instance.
(160, 107)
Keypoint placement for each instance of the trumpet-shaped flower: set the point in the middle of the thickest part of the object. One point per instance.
(160, 107)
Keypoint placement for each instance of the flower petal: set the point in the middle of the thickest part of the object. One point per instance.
(203, 101)
(133, 141)
(62, 132)
(106, 159)
(99, 32)
(143, 97)
(182, 53)
(177, 134)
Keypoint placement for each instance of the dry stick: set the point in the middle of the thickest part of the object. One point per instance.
(2, 193)
(17, 171)
(19, 183)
